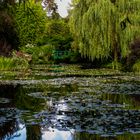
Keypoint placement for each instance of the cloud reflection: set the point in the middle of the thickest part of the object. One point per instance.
(57, 135)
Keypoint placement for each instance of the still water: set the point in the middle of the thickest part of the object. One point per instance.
(70, 106)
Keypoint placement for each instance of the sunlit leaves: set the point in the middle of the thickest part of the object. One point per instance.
(30, 22)
(104, 27)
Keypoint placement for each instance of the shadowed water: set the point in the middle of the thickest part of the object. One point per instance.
(70, 106)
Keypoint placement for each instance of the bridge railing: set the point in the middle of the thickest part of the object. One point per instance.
(60, 54)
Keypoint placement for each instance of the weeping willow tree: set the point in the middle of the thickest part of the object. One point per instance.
(105, 28)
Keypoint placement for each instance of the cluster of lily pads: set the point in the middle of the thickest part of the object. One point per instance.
(77, 103)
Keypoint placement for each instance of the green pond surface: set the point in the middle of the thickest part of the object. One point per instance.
(66, 102)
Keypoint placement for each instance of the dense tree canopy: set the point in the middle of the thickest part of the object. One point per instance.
(22, 22)
(105, 27)
(58, 34)
(30, 23)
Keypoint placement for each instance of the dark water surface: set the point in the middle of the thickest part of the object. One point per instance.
(63, 104)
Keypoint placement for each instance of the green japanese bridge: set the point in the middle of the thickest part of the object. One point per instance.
(57, 54)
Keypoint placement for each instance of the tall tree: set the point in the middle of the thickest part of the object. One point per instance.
(8, 31)
(30, 22)
(105, 28)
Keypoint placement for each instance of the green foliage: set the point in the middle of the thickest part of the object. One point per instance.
(114, 65)
(41, 54)
(6, 63)
(30, 21)
(103, 28)
(136, 67)
(58, 34)
(13, 63)
(21, 60)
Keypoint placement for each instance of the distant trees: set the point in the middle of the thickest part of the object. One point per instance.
(105, 28)
(58, 34)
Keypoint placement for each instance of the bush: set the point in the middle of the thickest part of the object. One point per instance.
(21, 60)
(6, 63)
(41, 54)
(13, 63)
(136, 66)
(114, 65)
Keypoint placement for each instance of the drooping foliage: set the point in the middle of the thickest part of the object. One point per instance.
(105, 28)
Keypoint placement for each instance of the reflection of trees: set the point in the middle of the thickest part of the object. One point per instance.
(8, 90)
(24, 101)
(9, 128)
(33, 132)
(86, 136)
(136, 100)
(118, 98)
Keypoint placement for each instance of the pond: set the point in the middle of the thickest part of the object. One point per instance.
(66, 102)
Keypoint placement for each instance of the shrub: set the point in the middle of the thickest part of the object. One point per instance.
(6, 63)
(136, 66)
(13, 63)
(114, 65)
(21, 60)
(41, 54)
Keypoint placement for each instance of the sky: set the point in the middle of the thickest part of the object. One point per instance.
(63, 5)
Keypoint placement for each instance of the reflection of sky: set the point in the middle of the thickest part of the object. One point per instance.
(57, 135)
(19, 135)
(63, 5)
(46, 135)
(54, 134)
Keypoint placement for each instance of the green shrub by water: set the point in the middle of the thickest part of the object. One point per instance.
(13, 63)
(136, 67)
(40, 54)
(114, 65)
(6, 63)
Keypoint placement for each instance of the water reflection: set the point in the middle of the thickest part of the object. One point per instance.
(68, 110)
(57, 135)
(20, 134)
(33, 132)
(8, 128)
(14, 103)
